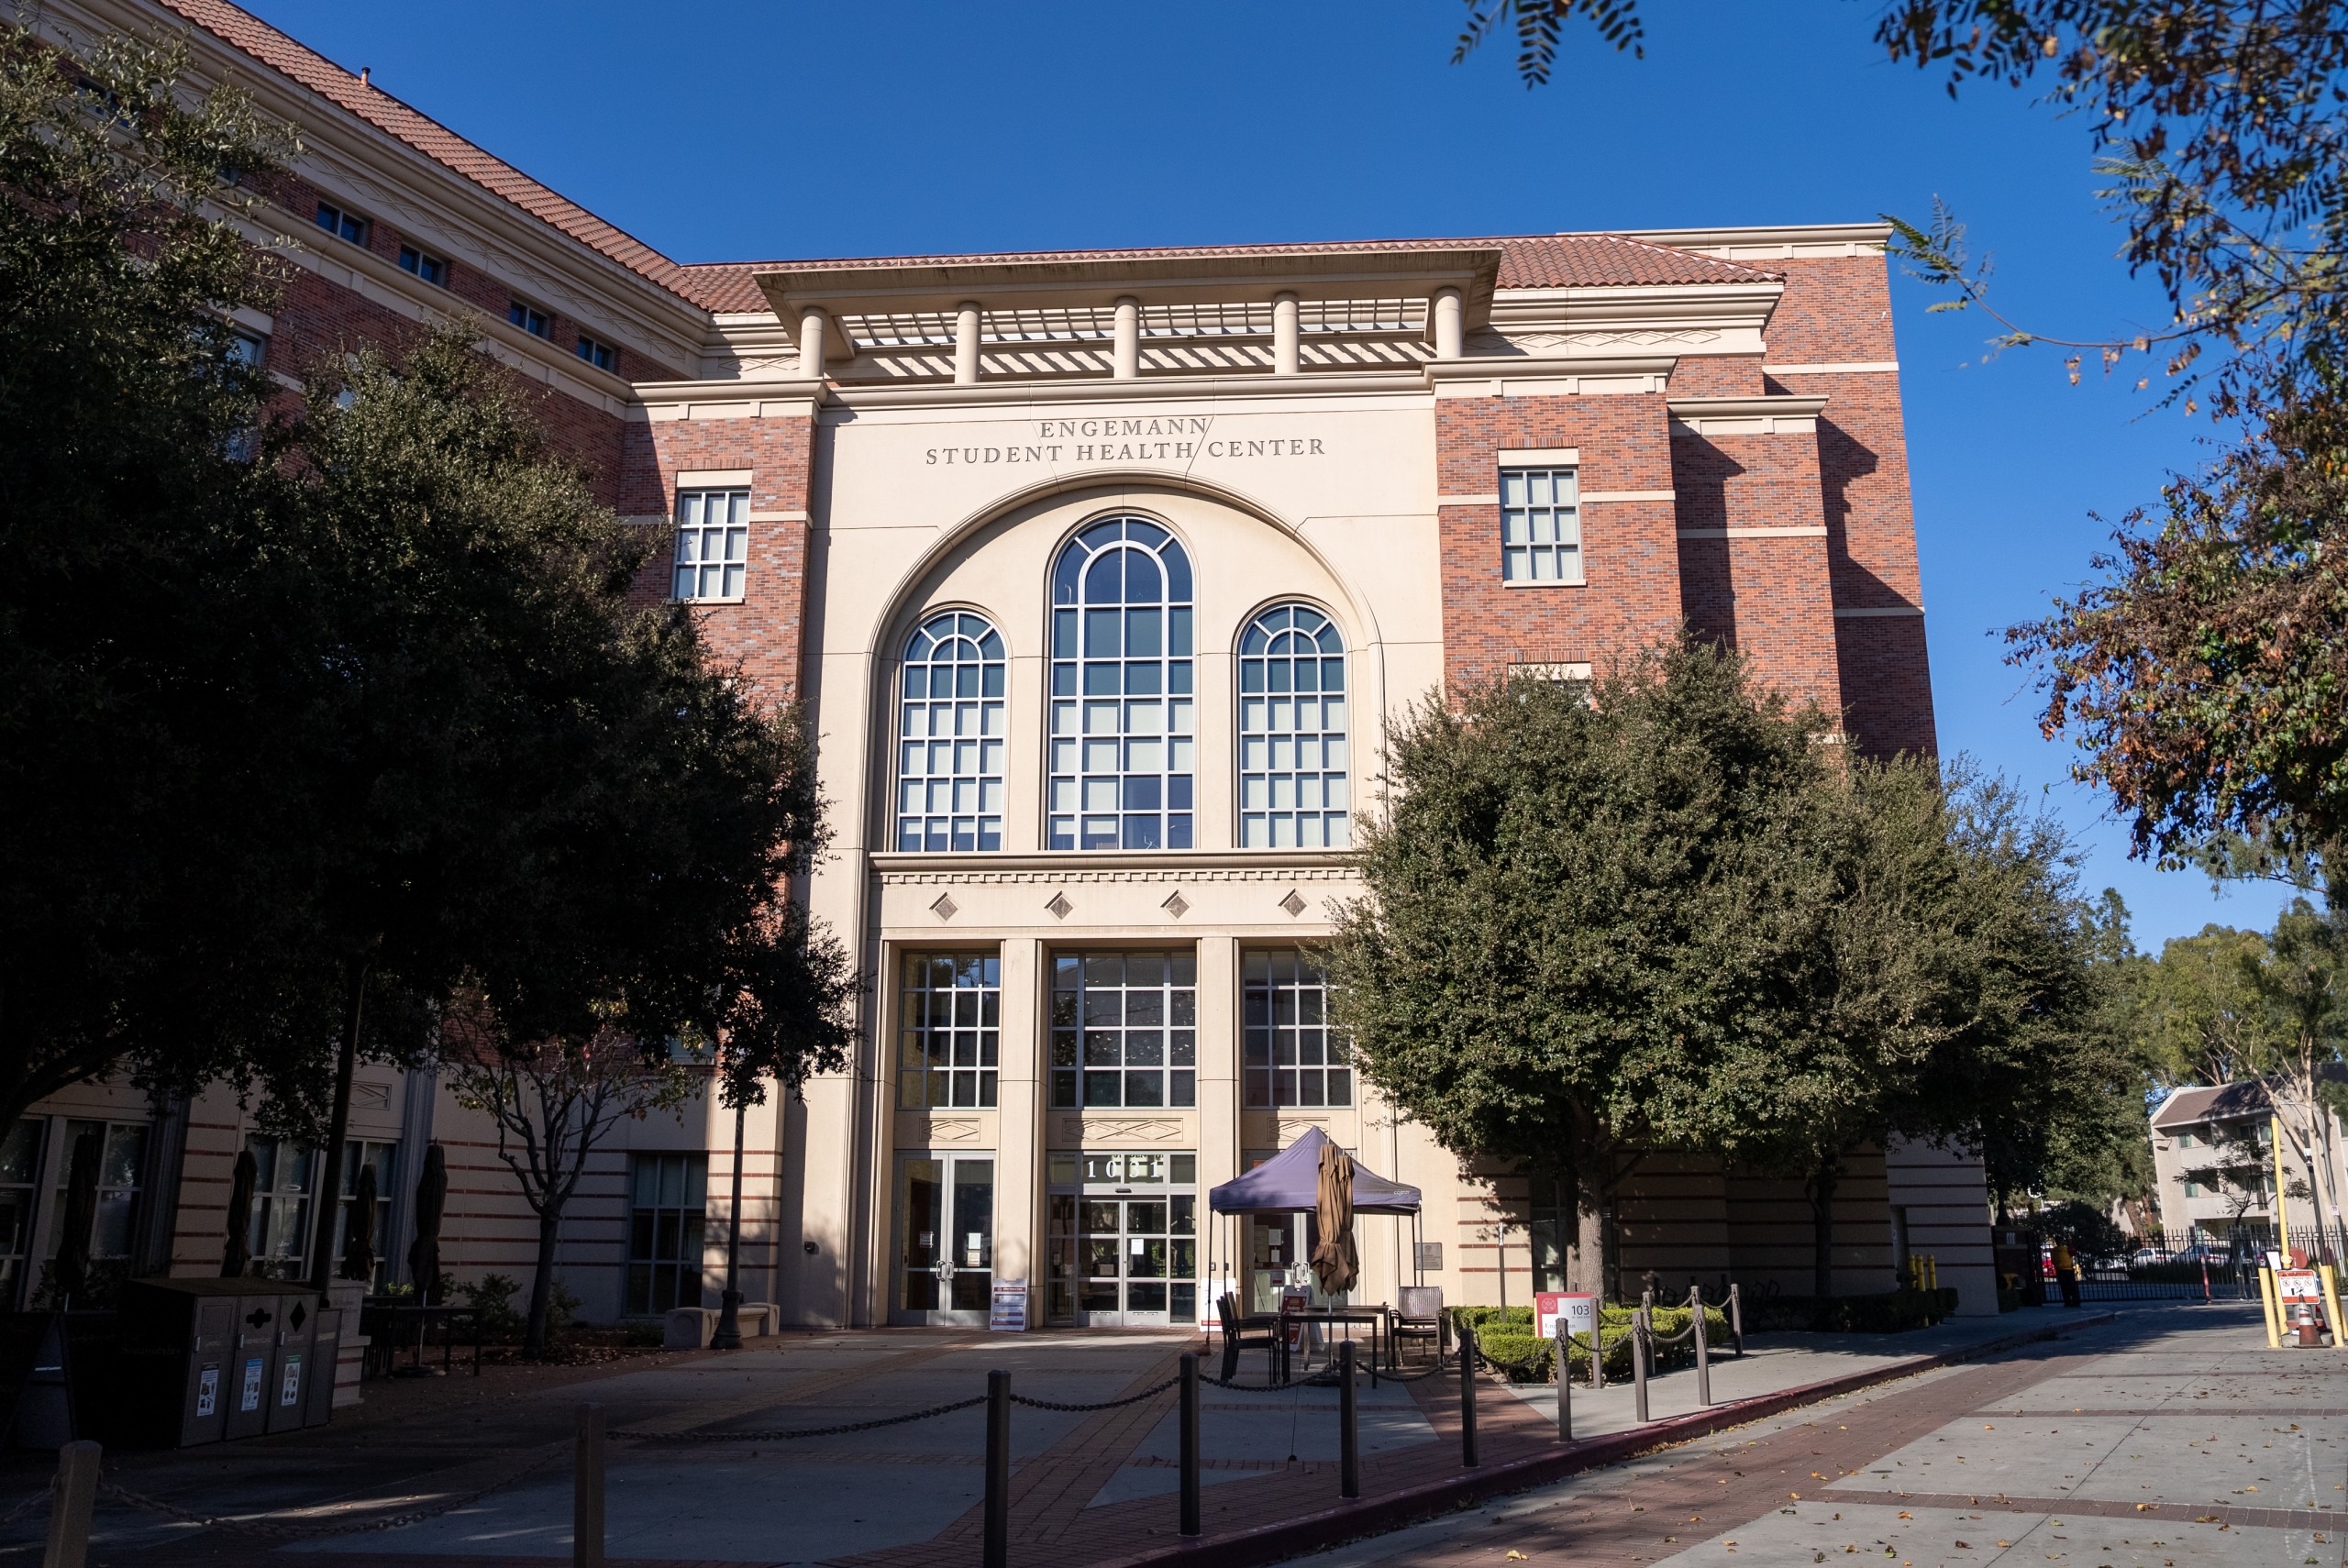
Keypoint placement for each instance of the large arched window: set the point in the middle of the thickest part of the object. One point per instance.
(950, 737)
(1293, 763)
(1123, 728)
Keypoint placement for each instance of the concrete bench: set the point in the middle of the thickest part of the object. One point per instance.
(690, 1328)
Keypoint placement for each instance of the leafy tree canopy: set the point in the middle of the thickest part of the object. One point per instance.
(147, 883)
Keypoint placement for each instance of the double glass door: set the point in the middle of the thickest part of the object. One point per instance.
(945, 1239)
(1123, 1242)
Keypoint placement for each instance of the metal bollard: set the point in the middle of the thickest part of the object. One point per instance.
(1189, 1404)
(995, 1550)
(1737, 1317)
(70, 1497)
(1565, 1382)
(587, 1489)
(1466, 1397)
(1348, 1428)
(1704, 1352)
(1639, 1364)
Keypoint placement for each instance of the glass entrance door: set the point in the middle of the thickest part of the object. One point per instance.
(945, 1239)
(1125, 1239)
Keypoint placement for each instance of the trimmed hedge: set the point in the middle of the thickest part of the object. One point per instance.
(1507, 1338)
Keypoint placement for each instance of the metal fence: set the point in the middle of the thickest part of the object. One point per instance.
(2173, 1266)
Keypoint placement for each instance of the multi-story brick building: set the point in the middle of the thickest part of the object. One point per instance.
(1102, 572)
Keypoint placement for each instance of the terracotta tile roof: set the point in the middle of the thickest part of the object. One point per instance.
(265, 44)
(1527, 261)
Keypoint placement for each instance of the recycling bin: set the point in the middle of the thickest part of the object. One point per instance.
(207, 1360)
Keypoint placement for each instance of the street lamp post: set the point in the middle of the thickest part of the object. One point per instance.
(729, 1317)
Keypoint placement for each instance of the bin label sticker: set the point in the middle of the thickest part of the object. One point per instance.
(207, 1389)
(291, 1394)
(249, 1397)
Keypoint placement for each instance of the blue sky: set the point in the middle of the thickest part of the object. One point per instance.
(733, 130)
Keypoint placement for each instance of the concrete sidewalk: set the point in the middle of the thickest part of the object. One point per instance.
(2172, 1437)
(1089, 1487)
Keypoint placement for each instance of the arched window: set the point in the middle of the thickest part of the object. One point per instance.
(1124, 731)
(1292, 764)
(950, 737)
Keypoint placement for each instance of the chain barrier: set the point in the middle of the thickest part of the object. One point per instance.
(294, 1531)
(27, 1506)
(786, 1434)
(1103, 1405)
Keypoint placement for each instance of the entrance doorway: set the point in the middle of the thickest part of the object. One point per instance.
(945, 1239)
(1124, 1241)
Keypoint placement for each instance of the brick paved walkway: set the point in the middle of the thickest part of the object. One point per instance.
(1097, 1489)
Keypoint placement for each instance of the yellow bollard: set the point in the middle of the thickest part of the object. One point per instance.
(2332, 1306)
(2268, 1298)
(1931, 1271)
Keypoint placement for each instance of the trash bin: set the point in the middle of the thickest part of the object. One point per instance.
(222, 1358)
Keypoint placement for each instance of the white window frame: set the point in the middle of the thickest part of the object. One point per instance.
(1293, 758)
(694, 563)
(533, 319)
(600, 354)
(949, 1031)
(953, 744)
(418, 262)
(1124, 705)
(1540, 545)
(340, 222)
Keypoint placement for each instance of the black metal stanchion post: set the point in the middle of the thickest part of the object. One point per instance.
(1467, 1396)
(995, 1551)
(1703, 1351)
(1348, 1432)
(72, 1492)
(1566, 1381)
(1737, 1317)
(1191, 1445)
(587, 1490)
(1639, 1364)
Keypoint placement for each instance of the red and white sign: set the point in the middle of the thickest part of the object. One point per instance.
(2298, 1285)
(1581, 1311)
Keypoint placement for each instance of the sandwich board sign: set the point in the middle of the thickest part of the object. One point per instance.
(1007, 1310)
(2298, 1285)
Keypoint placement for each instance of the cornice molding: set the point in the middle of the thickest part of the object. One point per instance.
(423, 199)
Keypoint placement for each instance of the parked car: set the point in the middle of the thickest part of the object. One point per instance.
(2143, 1256)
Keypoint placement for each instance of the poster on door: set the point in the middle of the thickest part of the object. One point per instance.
(207, 1389)
(1581, 1311)
(1007, 1311)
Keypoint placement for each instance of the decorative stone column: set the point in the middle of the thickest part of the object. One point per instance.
(810, 344)
(1449, 340)
(966, 344)
(1128, 352)
(1286, 354)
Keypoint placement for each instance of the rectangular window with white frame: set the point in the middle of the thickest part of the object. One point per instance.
(1541, 526)
(712, 545)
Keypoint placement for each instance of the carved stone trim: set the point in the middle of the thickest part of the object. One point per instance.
(1185, 875)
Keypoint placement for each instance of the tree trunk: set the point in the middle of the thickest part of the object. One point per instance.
(1589, 1235)
(534, 1337)
(1822, 1222)
(328, 1190)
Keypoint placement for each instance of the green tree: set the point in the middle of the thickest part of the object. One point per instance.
(2302, 978)
(147, 882)
(1571, 893)
(517, 780)
(2198, 1009)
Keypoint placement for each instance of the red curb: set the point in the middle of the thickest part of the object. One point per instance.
(1335, 1527)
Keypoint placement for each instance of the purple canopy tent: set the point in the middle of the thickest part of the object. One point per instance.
(1290, 1183)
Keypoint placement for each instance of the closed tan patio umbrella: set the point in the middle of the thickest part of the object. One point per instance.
(1335, 1263)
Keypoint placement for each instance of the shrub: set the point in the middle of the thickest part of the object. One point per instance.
(1891, 1312)
(1507, 1339)
(492, 1295)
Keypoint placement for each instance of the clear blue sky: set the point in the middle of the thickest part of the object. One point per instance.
(724, 129)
